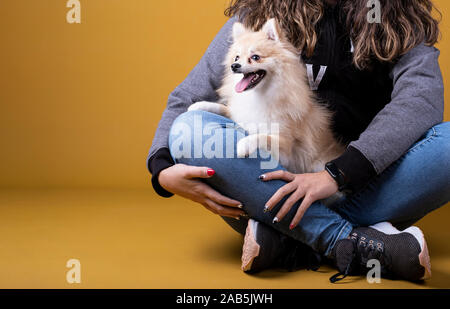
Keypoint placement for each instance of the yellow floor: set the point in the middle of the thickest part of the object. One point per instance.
(134, 239)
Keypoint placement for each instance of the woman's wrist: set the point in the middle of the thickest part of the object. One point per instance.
(337, 175)
(157, 163)
(158, 187)
(356, 169)
(332, 183)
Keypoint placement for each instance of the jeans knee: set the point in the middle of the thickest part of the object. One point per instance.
(187, 118)
(182, 129)
(443, 129)
(199, 118)
(183, 125)
(191, 128)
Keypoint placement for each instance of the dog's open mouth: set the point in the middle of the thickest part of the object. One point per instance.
(250, 81)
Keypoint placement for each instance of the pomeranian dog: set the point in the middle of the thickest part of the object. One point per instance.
(267, 83)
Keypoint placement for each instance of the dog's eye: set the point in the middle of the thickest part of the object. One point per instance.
(256, 57)
(236, 59)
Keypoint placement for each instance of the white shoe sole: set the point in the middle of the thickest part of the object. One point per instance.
(250, 249)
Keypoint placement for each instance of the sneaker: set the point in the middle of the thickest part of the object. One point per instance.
(402, 254)
(265, 248)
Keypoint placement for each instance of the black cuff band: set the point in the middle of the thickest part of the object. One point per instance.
(356, 167)
(156, 163)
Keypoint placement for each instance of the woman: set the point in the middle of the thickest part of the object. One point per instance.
(383, 82)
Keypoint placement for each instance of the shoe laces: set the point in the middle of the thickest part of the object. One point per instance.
(364, 250)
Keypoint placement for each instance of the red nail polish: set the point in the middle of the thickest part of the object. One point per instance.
(291, 227)
(210, 172)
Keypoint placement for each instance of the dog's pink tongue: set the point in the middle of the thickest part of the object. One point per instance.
(243, 84)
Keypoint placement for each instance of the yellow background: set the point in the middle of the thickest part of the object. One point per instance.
(79, 104)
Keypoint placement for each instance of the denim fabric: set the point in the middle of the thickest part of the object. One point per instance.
(417, 183)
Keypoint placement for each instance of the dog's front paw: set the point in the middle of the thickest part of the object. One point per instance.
(215, 108)
(199, 106)
(247, 147)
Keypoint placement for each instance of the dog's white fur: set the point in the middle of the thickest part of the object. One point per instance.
(305, 138)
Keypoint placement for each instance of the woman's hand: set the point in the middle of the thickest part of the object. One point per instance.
(310, 187)
(183, 180)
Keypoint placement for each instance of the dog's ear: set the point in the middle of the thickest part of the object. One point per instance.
(238, 30)
(271, 29)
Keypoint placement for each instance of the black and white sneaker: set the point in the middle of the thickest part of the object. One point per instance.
(265, 248)
(402, 254)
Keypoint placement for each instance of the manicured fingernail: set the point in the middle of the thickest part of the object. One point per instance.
(266, 208)
(210, 172)
(245, 216)
(275, 220)
(262, 177)
(240, 206)
(291, 227)
(237, 218)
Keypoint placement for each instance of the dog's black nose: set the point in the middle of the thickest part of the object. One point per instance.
(235, 67)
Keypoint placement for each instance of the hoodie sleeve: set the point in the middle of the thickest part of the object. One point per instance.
(417, 104)
(200, 85)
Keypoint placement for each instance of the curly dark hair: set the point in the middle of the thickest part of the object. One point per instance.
(404, 24)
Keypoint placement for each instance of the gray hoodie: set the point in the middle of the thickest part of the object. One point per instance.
(379, 113)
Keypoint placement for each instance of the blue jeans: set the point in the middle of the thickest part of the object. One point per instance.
(416, 184)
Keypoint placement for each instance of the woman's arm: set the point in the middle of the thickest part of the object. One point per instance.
(417, 105)
(200, 85)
